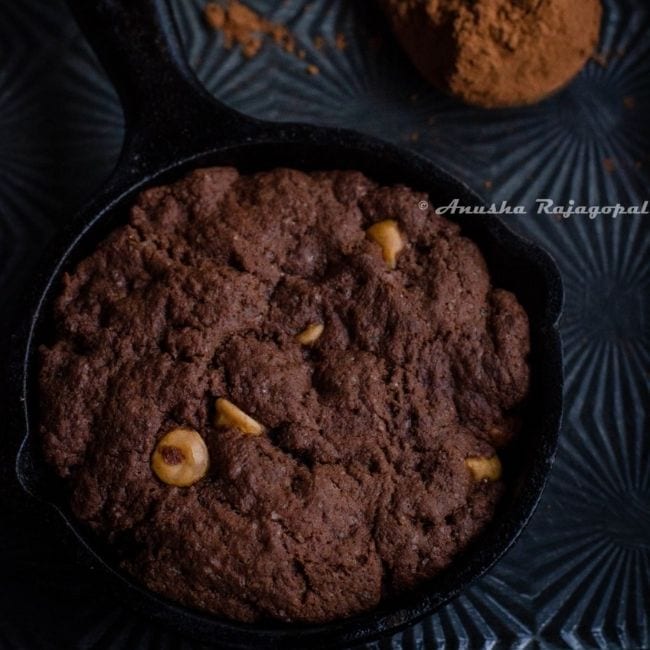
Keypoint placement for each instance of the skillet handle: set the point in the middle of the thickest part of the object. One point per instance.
(168, 113)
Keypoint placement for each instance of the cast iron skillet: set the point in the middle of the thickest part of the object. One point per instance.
(173, 125)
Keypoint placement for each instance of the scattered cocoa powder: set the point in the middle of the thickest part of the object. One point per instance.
(497, 52)
(609, 165)
(242, 26)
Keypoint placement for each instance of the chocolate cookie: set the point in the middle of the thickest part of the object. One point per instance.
(282, 395)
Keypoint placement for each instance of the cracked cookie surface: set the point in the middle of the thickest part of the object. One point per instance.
(357, 488)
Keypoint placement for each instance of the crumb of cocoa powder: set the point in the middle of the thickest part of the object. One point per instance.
(629, 102)
(601, 58)
(375, 41)
(487, 184)
(312, 69)
(609, 165)
(340, 41)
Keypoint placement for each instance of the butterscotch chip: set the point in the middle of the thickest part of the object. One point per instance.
(387, 235)
(484, 468)
(310, 334)
(180, 458)
(230, 416)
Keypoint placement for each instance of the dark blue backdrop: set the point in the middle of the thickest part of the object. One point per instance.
(580, 575)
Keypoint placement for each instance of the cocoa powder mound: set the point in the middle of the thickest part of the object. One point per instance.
(496, 53)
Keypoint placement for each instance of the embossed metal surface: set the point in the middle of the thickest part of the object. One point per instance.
(580, 574)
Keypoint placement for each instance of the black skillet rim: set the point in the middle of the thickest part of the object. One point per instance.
(140, 165)
(362, 627)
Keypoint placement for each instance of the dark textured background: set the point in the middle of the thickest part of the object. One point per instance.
(580, 574)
